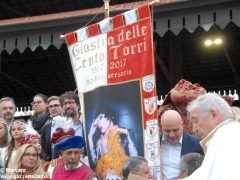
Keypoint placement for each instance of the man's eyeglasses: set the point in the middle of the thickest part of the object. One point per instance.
(29, 155)
(54, 106)
(36, 102)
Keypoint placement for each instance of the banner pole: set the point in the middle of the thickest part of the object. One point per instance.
(154, 3)
(106, 5)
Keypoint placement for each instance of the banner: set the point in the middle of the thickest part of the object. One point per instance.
(114, 69)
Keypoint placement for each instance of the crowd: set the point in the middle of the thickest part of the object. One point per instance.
(51, 144)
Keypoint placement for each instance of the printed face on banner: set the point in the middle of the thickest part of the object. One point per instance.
(114, 126)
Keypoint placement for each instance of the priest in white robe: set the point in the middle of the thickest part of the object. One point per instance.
(212, 120)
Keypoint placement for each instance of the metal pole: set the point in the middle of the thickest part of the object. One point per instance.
(106, 7)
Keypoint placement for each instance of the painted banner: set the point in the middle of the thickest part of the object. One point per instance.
(114, 69)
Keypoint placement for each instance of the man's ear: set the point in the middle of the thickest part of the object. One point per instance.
(59, 152)
(215, 116)
(183, 174)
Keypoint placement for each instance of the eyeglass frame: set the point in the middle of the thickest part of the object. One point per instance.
(54, 106)
(37, 102)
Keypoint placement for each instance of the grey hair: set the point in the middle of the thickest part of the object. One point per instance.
(191, 162)
(132, 165)
(8, 99)
(210, 101)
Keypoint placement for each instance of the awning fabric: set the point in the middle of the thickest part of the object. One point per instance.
(192, 18)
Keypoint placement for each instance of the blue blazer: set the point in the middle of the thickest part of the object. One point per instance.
(190, 144)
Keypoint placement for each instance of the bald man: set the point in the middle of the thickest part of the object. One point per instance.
(175, 143)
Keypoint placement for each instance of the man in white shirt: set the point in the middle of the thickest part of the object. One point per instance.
(175, 143)
(71, 106)
(212, 120)
(47, 131)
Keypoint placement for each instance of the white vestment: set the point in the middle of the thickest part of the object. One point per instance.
(222, 154)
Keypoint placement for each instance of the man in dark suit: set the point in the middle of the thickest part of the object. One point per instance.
(47, 131)
(175, 143)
